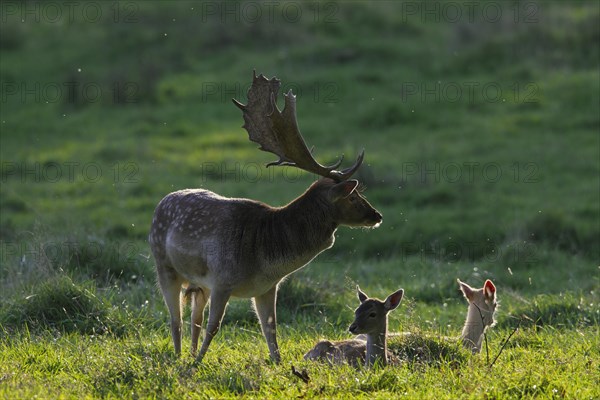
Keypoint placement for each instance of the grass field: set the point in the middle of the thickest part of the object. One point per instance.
(480, 125)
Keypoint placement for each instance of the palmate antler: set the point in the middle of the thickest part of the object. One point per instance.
(277, 131)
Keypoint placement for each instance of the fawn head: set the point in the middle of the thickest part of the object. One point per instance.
(483, 299)
(371, 316)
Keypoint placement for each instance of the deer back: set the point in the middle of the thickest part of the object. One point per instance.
(352, 351)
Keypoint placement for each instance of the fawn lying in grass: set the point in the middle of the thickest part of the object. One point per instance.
(371, 324)
(370, 318)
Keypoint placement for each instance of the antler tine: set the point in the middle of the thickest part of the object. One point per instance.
(333, 166)
(346, 173)
(277, 131)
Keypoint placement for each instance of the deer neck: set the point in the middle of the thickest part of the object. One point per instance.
(376, 348)
(296, 233)
(377, 345)
(473, 329)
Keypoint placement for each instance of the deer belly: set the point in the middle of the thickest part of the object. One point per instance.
(191, 264)
(199, 269)
(253, 287)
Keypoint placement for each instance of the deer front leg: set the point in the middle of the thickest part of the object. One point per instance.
(199, 300)
(265, 308)
(218, 303)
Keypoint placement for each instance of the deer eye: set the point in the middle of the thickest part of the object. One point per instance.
(372, 315)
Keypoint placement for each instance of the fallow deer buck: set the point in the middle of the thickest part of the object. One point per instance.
(370, 319)
(217, 247)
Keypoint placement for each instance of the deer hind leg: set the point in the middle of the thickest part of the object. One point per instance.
(170, 284)
(265, 308)
(199, 299)
(216, 310)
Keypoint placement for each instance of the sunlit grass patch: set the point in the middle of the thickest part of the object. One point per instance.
(559, 311)
(60, 304)
(418, 349)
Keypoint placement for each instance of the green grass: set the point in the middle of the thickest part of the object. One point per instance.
(500, 184)
(542, 363)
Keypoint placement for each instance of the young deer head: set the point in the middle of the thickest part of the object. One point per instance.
(370, 318)
(480, 315)
(219, 247)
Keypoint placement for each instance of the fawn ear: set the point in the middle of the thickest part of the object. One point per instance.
(343, 189)
(467, 290)
(393, 300)
(489, 289)
(361, 295)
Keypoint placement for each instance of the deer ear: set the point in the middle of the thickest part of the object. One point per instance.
(489, 289)
(467, 290)
(343, 189)
(361, 295)
(393, 300)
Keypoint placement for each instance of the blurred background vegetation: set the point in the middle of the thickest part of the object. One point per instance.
(479, 120)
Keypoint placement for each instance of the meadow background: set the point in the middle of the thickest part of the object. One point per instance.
(480, 125)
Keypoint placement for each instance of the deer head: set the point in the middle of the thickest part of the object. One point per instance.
(371, 316)
(483, 299)
(277, 131)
